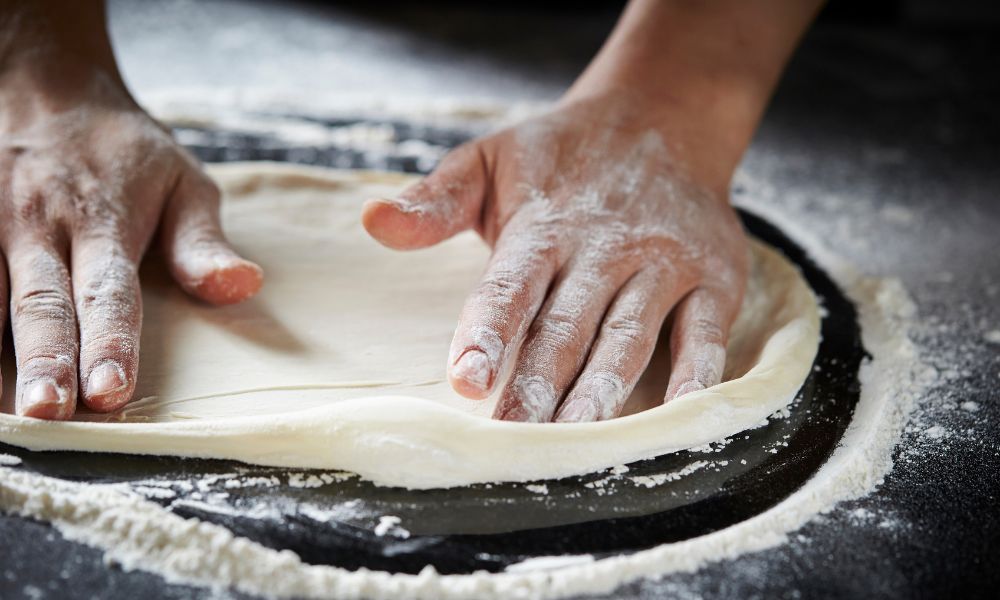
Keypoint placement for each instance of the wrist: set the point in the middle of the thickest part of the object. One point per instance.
(705, 140)
(700, 72)
(56, 50)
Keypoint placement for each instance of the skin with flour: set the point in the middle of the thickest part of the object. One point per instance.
(605, 214)
(86, 177)
(608, 213)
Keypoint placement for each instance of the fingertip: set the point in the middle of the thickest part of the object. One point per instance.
(597, 397)
(222, 279)
(44, 399)
(686, 388)
(232, 284)
(107, 388)
(577, 409)
(571, 413)
(396, 224)
(48, 412)
(471, 375)
(530, 399)
(108, 403)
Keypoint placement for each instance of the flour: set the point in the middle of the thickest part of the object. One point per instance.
(309, 480)
(970, 406)
(651, 481)
(6, 460)
(390, 525)
(544, 563)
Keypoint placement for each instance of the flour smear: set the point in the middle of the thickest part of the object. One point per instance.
(136, 533)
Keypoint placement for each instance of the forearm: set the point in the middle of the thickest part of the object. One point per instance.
(702, 72)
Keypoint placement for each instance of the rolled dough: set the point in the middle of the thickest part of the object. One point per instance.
(340, 362)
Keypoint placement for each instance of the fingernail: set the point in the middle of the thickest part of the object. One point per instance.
(105, 379)
(473, 367)
(687, 388)
(538, 400)
(607, 396)
(404, 204)
(577, 411)
(42, 396)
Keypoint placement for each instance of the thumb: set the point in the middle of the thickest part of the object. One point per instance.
(200, 258)
(444, 203)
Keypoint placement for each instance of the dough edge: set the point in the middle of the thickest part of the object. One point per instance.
(409, 442)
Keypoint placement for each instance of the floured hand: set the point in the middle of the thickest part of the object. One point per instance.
(600, 228)
(86, 178)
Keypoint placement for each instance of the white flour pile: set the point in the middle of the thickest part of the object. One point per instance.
(136, 533)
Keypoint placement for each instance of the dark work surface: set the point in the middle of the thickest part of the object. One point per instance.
(865, 119)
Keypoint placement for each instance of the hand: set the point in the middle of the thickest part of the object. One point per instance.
(86, 177)
(599, 228)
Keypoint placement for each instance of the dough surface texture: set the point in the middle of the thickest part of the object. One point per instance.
(339, 363)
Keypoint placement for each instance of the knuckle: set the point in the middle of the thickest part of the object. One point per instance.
(121, 345)
(706, 329)
(101, 222)
(42, 361)
(198, 240)
(503, 287)
(722, 273)
(31, 208)
(98, 213)
(628, 328)
(558, 329)
(110, 288)
(44, 304)
(195, 189)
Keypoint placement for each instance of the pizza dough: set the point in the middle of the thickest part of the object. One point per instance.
(340, 362)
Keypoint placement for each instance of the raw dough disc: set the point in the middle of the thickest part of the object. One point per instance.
(340, 362)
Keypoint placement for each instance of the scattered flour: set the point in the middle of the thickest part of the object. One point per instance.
(6, 460)
(390, 525)
(935, 432)
(651, 481)
(315, 480)
(537, 488)
(246, 482)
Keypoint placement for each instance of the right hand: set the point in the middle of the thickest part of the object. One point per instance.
(86, 179)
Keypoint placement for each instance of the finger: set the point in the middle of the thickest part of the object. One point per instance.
(3, 310)
(497, 314)
(557, 344)
(43, 322)
(109, 311)
(623, 347)
(444, 203)
(200, 258)
(698, 340)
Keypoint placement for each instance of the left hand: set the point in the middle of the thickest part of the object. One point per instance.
(600, 227)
